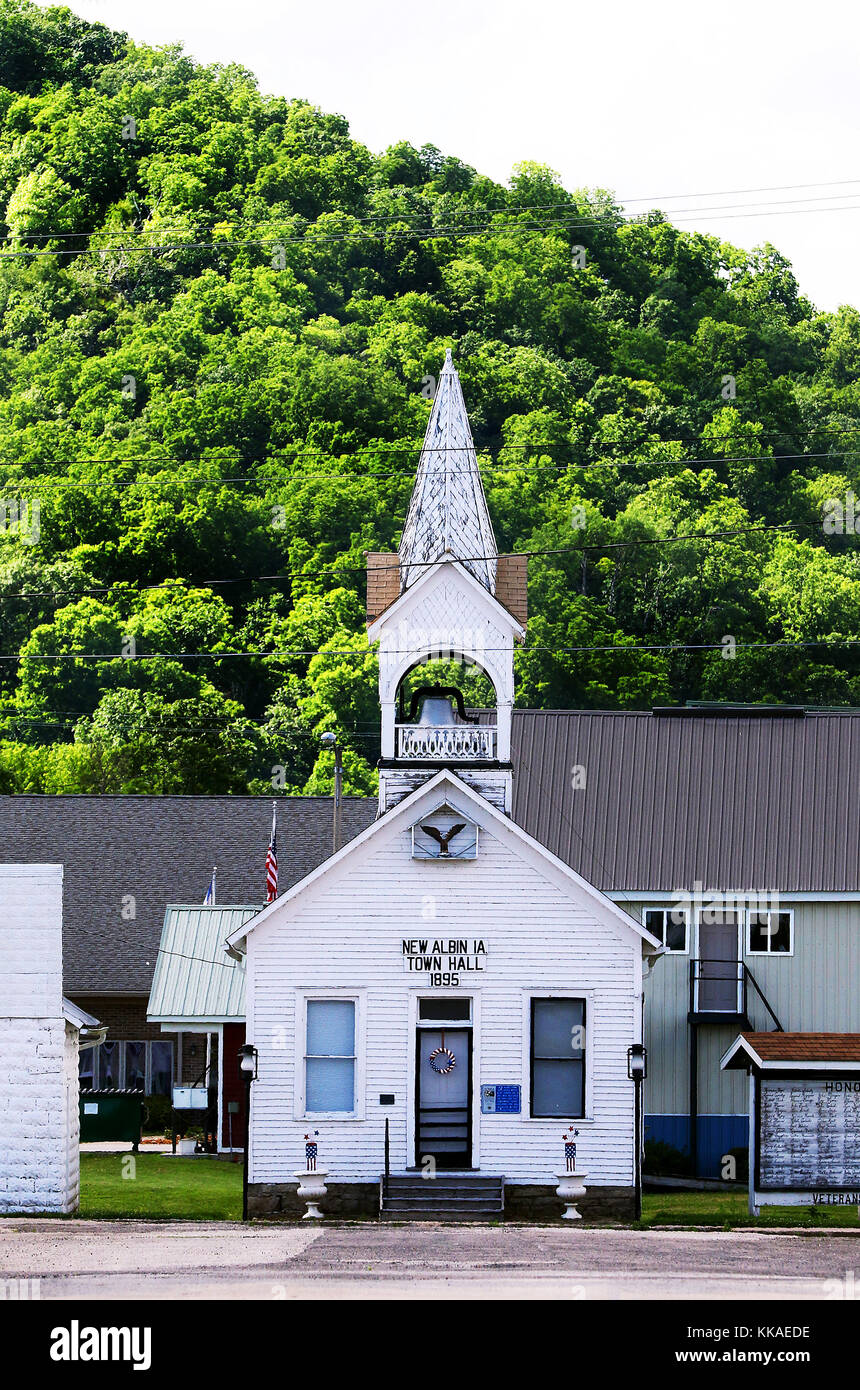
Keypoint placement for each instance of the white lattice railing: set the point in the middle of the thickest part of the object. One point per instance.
(447, 741)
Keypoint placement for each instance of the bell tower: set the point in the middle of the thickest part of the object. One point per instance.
(446, 595)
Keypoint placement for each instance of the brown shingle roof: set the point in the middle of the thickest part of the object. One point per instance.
(805, 1047)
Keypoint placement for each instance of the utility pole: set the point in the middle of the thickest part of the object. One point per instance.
(329, 740)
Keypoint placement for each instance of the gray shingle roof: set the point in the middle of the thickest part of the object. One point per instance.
(158, 850)
(740, 802)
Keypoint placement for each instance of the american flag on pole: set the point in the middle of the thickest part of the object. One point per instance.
(209, 900)
(272, 859)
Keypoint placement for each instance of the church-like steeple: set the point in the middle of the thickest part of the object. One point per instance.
(448, 513)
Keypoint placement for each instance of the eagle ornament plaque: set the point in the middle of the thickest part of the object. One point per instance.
(445, 834)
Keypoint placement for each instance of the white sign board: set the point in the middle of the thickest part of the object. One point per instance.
(445, 961)
(809, 1135)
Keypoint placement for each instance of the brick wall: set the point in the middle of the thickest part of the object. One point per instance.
(383, 582)
(38, 1053)
(512, 585)
(72, 1094)
(124, 1017)
(38, 1100)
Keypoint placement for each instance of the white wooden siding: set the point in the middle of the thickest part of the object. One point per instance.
(346, 935)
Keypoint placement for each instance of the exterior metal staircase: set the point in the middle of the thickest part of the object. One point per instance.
(448, 1197)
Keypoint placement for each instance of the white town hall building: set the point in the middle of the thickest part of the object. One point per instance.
(444, 971)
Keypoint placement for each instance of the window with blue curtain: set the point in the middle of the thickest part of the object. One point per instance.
(162, 1067)
(135, 1066)
(558, 1058)
(330, 1056)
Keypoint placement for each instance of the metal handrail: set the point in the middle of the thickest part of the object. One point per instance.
(387, 1160)
(751, 977)
(742, 974)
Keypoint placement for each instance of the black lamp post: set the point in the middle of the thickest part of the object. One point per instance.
(637, 1070)
(248, 1067)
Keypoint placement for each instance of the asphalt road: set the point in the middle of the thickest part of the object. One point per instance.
(164, 1260)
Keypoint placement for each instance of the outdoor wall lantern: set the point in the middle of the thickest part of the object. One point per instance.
(248, 1061)
(637, 1062)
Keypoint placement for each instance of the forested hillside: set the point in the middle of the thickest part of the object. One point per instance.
(219, 317)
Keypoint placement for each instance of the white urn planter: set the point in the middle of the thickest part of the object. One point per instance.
(186, 1147)
(311, 1190)
(571, 1188)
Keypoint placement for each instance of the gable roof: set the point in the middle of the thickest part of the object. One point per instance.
(455, 793)
(448, 512)
(729, 798)
(426, 579)
(775, 1051)
(194, 977)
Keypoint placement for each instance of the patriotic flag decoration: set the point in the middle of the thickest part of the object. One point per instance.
(272, 859)
(311, 1148)
(209, 900)
(570, 1149)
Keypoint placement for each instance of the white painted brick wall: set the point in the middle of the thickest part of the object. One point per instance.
(38, 1049)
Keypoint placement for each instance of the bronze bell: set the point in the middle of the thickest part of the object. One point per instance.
(437, 711)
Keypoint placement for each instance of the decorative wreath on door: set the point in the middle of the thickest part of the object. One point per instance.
(442, 1060)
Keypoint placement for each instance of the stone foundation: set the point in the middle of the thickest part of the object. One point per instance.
(523, 1201)
(341, 1199)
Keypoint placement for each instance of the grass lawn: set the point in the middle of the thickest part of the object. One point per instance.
(731, 1209)
(193, 1189)
(205, 1189)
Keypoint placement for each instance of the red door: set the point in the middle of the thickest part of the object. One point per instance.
(232, 1088)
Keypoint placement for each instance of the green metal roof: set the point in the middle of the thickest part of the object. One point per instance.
(194, 977)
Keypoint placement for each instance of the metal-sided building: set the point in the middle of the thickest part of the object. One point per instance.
(734, 835)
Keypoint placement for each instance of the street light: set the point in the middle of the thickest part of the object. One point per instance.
(248, 1070)
(637, 1070)
(329, 740)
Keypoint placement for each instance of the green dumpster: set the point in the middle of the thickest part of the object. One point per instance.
(111, 1115)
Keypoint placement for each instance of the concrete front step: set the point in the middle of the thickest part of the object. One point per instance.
(445, 1190)
(450, 1198)
(448, 1203)
(437, 1215)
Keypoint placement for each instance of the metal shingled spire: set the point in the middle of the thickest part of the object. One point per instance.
(448, 512)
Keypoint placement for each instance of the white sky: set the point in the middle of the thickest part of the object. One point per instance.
(649, 99)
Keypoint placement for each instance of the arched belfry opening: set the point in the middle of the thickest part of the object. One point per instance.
(446, 612)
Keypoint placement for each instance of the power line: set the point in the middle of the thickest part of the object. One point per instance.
(407, 234)
(512, 208)
(364, 652)
(182, 586)
(48, 480)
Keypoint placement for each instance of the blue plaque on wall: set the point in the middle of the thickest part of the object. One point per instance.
(500, 1100)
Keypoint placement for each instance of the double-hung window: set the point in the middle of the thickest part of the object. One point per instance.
(558, 1058)
(330, 1057)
